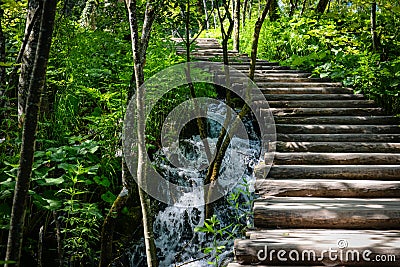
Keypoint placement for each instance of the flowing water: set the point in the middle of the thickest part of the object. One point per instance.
(176, 240)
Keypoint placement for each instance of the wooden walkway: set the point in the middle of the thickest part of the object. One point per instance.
(334, 187)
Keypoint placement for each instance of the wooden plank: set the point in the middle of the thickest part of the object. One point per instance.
(359, 120)
(337, 147)
(290, 112)
(321, 104)
(327, 188)
(307, 247)
(393, 138)
(338, 213)
(336, 129)
(297, 84)
(307, 158)
(312, 97)
(305, 90)
(357, 172)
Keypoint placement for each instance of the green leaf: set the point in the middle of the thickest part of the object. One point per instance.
(108, 197)
(102, 180)
(51, 181)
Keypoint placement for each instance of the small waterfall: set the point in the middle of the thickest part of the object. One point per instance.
(175, 237)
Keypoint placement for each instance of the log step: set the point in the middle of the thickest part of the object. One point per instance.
(264, 68)
(311, 247)
(338, 213)
(322, 104)
(356, 172)
(365, 120)
(338, 147)
(307, 158)
(335, 129)
(312, 97)
(297, 84)
(392, 138)
(288, 112)
(327, 188)
(306, 90)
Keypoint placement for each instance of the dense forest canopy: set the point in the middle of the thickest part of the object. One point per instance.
(77, 171)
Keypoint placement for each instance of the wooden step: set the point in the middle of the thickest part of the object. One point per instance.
(356, 172)
(313, 97)
(245, 64)
(365, 120)
(370, 138)
(327, 247)
(308, 158)
(279, 72)
(336, 129)
(265, 68)
(282, 79)
(297, 84)
(235, 264)
(337, 213)
(289, 112)
(306, 90)
(321, 103)
(327, 188)
(339, 147)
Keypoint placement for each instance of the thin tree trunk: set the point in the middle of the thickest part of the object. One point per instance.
(303, 9)
(236, 25)
(28, 53)
(273, 10)
(2, 56)
(321, 7)
(206, 14)
(215, 164)
(201, 123)
(15, 236)
(374, 35)
(213, 11)
(139, 47)
(60, 247)
(245, 4)
(293, 7)
(256, 36)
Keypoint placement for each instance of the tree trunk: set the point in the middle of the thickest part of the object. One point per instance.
(293, 7)
(206, 14)
(29, 132)
(303, 9)
(2, 56)
(374, 35)
(245, 4)
(322, 5)
(236, 25)
(213, 12)
(139, 47)
(273, 10)
(256, 36)
(28, 53)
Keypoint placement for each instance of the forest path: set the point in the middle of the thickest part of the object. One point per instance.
(332, 196)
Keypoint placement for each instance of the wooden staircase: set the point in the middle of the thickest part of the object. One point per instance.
(335, 181)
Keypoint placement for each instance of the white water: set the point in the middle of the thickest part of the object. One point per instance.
(175, 238)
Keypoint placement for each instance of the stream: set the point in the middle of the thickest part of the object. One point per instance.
(177, 242)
